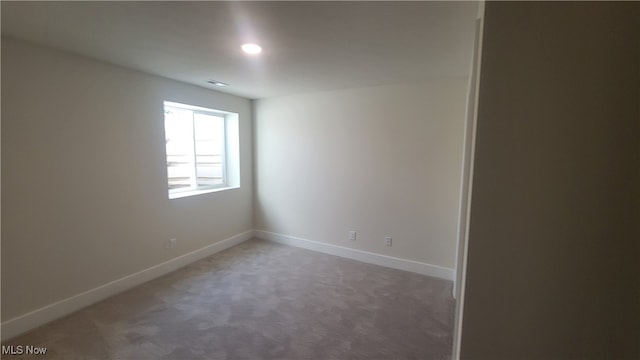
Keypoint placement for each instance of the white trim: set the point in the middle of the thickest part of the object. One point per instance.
(359, 255)
(33, 319)
(48, 313)
(181, 194)
(462, 256)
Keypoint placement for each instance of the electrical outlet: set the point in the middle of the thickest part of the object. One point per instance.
(352, 235)
(388, 241)
(170, 244)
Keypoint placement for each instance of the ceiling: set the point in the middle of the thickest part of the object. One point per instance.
(308, 46)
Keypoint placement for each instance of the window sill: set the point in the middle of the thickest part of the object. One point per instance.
(200, 192)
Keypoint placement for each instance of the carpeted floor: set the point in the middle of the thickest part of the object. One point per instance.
(261, 300)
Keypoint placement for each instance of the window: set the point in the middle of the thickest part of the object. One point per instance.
(201, 148)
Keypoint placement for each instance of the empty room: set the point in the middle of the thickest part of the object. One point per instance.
(320, 180)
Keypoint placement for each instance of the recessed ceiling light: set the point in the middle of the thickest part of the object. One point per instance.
(252, 49)
(217, 83)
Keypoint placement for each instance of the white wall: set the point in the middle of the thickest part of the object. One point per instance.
(84, 196)
(553, 257)
(379, 160)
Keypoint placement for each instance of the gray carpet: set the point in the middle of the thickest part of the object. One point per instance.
(261, 300)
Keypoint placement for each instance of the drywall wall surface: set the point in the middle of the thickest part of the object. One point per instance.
(381, 161)
(84, 193)
(552, 260)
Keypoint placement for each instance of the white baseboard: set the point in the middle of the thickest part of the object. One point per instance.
(33, 319)
(367, 257)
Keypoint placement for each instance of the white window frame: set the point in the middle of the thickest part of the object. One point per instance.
(230, 153)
